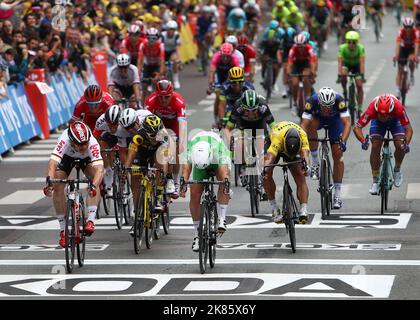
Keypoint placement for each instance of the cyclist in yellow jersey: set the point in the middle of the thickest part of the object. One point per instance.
(289, 141)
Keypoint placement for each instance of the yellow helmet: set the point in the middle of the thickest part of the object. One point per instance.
(152, 124)
(236, 74)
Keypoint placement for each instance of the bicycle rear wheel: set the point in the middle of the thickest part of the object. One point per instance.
(383, 188)
(81, 245)
(213, 226)
(268, 80)
(301, 101)
(165, 217)
(404, 87)
(127, 202)
(118, 208)
(139, 223)
(203, 234)
(70, 234)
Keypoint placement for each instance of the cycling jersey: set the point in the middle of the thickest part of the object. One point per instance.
(270, 48)
(89, 115)
(252, 11)
(64, 148)
(152, 54)
(249, 56)
(320, 15)
(125, 78)
(277, 137)
(170, 114)
(256, 120)
(241, 58)
(398, 113)
(351, 57)
(347, 16)
(301, 54)
(408, 38)
(132, 50)
(223, 68)
(203, 26)
(171, 43)
(328, 117)
(280, 16)
(236, 23)
(295, 21)
(230, 96)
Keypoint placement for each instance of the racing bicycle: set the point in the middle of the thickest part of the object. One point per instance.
(301, 97)
(208, 227)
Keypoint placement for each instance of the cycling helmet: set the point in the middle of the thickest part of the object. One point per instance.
(151, 125)
(384, 104)
(294, 10)
(280, 32)
(306, 35)
(292, 143)
(152, 34)
(226, 49)
(320, 3)
(408, 22)
(207, 9)
(274, 24)
(236, 74)
(326, 96)
(234, 3)
(232, 40)
(201, 155)
(79, 133)
(172, 25)
(352, 35)
(250, 100)
(164, 87)
(271, 34)
(237, 12)
(128, 117)
(112, 114)
(279, 4)
(300, 40)
(123, 60)
(134, 29)
(290, 32)
(93, 94)
(243, 40)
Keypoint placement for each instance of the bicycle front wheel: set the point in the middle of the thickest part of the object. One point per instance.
(117, 197)
(165, 217)
(203, 235)
(323, 187)
(288, 217)
(383, 188)
(352, 103)
(70, 235)
(81, 244)
(139, 224)
(213, 226)
(149, 222)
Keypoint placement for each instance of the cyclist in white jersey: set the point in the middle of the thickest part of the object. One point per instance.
(124, 81)
(172, 42)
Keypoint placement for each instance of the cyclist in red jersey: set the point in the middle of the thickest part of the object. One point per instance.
(249, 56)
(131, 43)
(91, 106)
(151, 59)
(407, 49)
(301, 60)
(386, 113)
(170, 107)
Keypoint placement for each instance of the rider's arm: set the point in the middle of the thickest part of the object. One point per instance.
(131, 155)
(162, 59)
(98, 175)
(140, 58)
(52, 168)
(358, 132)
(398, 47)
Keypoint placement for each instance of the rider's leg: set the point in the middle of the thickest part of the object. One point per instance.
(302, 187)
(307, 84)
(375, 158)
(270, 189)
(338, 169)
(196, 191)
(92, 202)
(59, 199)
(222, 199)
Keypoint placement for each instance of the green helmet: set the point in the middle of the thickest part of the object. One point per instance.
(250, 100)
(352, 35)
(294, 9)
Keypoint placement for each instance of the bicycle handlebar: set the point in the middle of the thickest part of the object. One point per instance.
(284, 164)
(226, 183)
(70, 181)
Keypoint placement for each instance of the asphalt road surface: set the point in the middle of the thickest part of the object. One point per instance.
(356, 253)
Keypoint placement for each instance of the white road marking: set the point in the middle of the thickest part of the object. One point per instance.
(46, 247)
(208, 109)
(32, 152)
(51, 142)
(206, 102)
(275, 261)
(278, 106)
(27, 180)
(353, 191)
(25, 159)
(23, 197)
(413, 191)
(49, 146)
(374, 76)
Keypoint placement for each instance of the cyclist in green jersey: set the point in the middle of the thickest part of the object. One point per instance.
(207, 156)
(280, 13)
(351, 58)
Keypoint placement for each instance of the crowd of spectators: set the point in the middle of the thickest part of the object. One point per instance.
(34, 35)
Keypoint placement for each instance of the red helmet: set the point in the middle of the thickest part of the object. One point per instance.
(93, 94)
(300, 39)
(226, 49)
(408, 22)
(79, 133)
(164, 87)
(243, 40)
(384, 104)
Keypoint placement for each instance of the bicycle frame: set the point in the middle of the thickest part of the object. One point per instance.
(301, 97)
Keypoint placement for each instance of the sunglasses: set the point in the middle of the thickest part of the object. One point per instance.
(93, 104)
(131, 126)
(165, 96)
(151, 135)
(351, 42)
(236, 81)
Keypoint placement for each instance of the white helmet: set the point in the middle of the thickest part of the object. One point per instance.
(112, 114)
(128, 117)
(232, 40)
(234, 3)
(201, 155)
(123, 60)
(206, 9)
(326, 96)
(172, 25)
